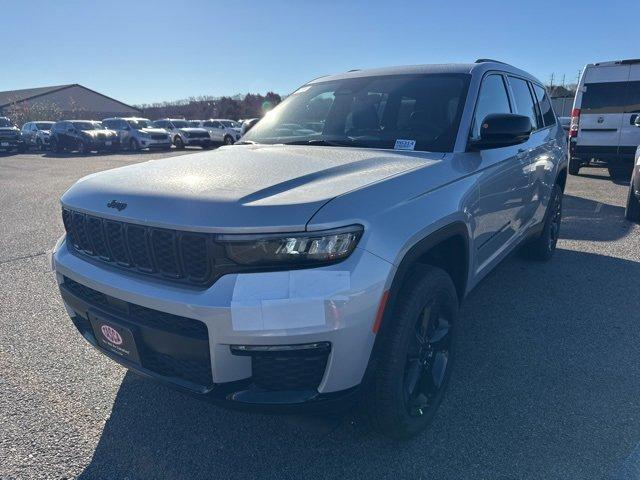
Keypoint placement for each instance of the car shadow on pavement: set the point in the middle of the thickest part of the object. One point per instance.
(546, 385)
(584, 219)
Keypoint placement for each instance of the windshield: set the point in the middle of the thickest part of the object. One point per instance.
(230, 124)
(180, 123)
(44, 125)
(409, 112)
(194, 123)
(140, 123)
(88, 125)
(5, 123)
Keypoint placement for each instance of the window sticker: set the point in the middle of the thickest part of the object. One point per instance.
(405, 144)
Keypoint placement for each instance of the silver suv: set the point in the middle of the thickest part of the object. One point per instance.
(139, 133)
(183, 134)
(323, 258)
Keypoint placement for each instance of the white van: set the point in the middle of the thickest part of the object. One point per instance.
(607, 103)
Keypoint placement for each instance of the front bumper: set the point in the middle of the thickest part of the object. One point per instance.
(153, 143)
(11, 143)
(99, 145)
(332, 308)
(199, 142)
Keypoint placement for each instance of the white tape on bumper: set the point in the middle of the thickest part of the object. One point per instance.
(285, 300)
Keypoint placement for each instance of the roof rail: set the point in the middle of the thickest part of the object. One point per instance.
(484, 60)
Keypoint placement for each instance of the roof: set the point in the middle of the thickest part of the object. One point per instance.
(12, 96)
(452, 68)
(18, 96)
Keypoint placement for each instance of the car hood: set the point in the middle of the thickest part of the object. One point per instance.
(153, 130)
(193, 129)
(95, 133)
(252, 188)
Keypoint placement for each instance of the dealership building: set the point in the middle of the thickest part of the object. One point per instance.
(71, 101)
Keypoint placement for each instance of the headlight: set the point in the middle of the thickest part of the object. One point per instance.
(309, 248)
(145, 135)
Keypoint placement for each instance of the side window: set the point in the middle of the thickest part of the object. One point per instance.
(207, 124)
(107, 123)
(492, 98)
(547, 112)
(523, 101)
(216, 124)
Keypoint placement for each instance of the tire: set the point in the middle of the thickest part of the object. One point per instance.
(178, 142)
(632, 212)
(228, 140)
(82, 147)
(55, 146)
(134, 146)
(574, 167)
(393, 407)
(543, 247)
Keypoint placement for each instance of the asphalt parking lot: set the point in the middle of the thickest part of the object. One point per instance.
(546, 385)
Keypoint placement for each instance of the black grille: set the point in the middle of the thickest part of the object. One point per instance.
(192, 364)
(182, 256)
(296, 370)
(204, 134)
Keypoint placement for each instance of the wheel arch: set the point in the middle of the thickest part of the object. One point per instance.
(453, 238)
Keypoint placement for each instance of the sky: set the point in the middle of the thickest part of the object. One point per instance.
(140, 51)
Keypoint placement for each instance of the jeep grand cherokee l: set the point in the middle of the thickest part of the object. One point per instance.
(323, 258)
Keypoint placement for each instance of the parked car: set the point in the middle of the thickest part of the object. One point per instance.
(323, 267)
(139, 133)
(219, 131)
(83, 136)
(606, 105)
(10, 136)
(248, 125)
(632, 211)
(36, 134)
(183, 134)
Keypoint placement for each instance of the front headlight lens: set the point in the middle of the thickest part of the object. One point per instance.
(310, 248)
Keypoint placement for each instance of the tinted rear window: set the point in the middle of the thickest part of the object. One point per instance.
(609, 97)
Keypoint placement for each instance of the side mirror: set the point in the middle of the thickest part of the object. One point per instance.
(636, 120)
(503, 130)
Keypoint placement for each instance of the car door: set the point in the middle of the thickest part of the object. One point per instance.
(64, 135)
(534, 151)
(629, 133)
(218, 131)
(503, 180)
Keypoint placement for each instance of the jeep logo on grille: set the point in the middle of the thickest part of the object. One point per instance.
(117, 205)
(111, 334)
